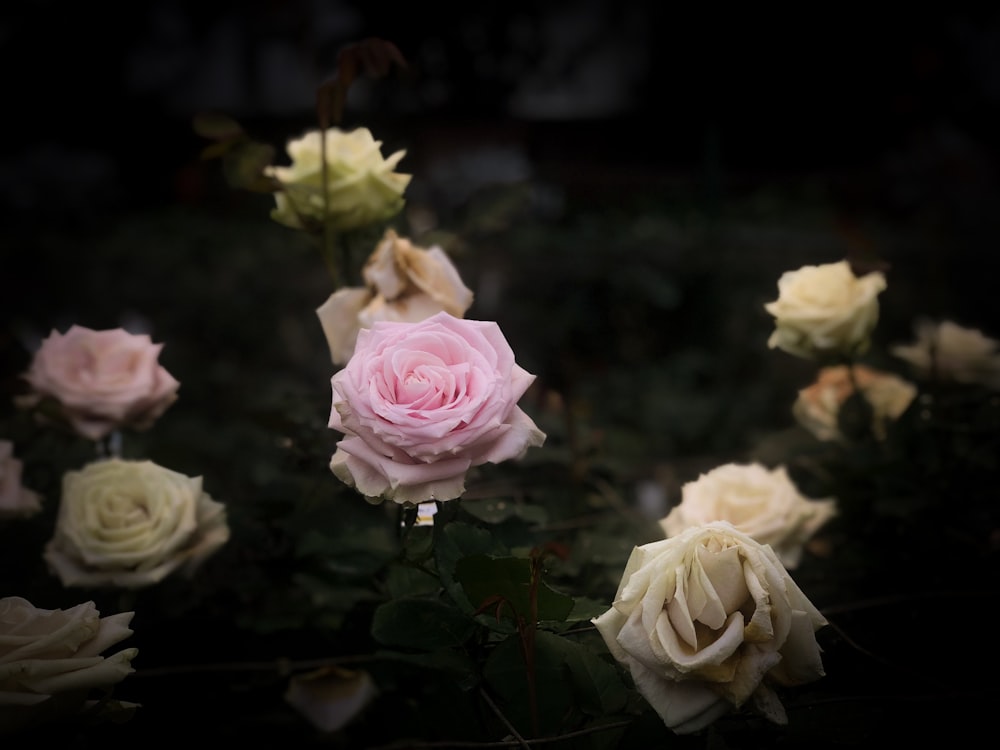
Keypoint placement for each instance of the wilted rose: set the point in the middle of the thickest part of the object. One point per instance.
(818, 407)
(761, 502)
(948, 351)
(825, 311)
(421, 403)
(16, 501)
(50, 659)
(708, 621)
(330, 697)
(361, 186)
(100, 381)
(131, 524)
(403, 282)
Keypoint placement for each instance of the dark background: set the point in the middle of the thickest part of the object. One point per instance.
(99, 98)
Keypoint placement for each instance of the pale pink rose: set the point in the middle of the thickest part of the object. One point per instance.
(50, 659)
(15, 500)
(403, 282)
(817, 407)
(101, 380)
(421, 403)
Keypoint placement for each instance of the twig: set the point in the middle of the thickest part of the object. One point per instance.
(500, 715)
(502, 743)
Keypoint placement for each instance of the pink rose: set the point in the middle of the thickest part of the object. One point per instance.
(421, 403)
(101, 380)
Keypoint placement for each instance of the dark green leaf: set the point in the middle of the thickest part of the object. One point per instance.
(424, 624)
(484, 577)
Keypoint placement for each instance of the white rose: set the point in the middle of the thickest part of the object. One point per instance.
(763, 503)
(708, 620)
(50, 652)
(404, 283)
(948, 351)
(132, 523)
(361, 186)
(15, 500)
(101, 380)
(817, 407)
(825, 311)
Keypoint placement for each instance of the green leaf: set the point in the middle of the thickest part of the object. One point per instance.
(216, 126)
(424, 624)
(509, 578)
(452, 542)
(407, 580)
(585, 609)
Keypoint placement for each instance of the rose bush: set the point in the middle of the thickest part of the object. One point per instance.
(131, 524)
(825, 310)
(100, 381)
(421, 403)
(16, 501)
(950, 352)
(50, 659)
(761, 502)
(818, 407)
(403, 282)
(708, 621)
(361, 186)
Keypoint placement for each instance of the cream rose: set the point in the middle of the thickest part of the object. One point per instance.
(948, 351)
(50, 652)
(761, 502)
(131, 524)
(708, 621)
(421, 403)
(403, 283)
(824, 311)
(361, 186)
(16, 501)
(817, 407)
(100, 380)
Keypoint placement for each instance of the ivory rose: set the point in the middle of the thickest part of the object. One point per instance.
(361, 186)
(16, 501)
(403, 282)
(421, 403)
(948, 351)
(100, 381)
(761, 502)
(817, 407)
(132, 523)
(50, 659)
(824, 311)
(709, 621)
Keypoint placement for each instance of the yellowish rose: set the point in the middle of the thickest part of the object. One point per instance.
(132, 523)
(761, 502)
(948, 351)
(403, 283)
(16, 501)
(825, 311)
(361, 186)
(708, 621)
(50, 659)
(817, 407)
